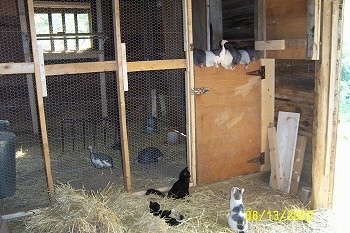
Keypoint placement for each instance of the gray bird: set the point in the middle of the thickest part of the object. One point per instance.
(100, 160)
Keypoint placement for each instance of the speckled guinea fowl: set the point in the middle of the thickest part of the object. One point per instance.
(100, 160)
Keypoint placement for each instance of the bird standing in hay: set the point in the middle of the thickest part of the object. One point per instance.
(100, 160)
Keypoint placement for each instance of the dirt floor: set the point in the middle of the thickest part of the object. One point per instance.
(71, 163)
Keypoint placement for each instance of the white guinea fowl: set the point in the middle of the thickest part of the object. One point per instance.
(100, 160)
(220, 53)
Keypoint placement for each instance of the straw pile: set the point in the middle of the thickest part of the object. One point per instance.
(75, 211)
(205, 210)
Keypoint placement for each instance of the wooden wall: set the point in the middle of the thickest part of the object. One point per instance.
(238, 19)
(295, 81)
(10, 31)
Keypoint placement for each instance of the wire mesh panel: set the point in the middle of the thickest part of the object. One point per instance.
(22, 180)
(155, 101)
(81, 109)
(75, 121)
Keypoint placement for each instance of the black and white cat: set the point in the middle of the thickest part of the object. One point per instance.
(180, 188)
(154, 208)
(237, 218)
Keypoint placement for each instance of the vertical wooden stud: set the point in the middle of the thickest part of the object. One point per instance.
(313, 30)
(190, 103)
(40, 98)
(121, 96)
(267, 106)
(103, 88)
(26, 50)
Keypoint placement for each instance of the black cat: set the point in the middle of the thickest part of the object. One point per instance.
(180, 188)
(154, 208)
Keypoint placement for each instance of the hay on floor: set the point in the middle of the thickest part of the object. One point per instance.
(205, 210)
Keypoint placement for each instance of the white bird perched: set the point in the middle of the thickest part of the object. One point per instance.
(211, 59)
(99, 160)
(214, 57)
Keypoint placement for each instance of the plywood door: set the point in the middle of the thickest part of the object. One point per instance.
(227, 123)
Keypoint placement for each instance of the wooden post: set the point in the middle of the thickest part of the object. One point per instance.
(103, 88)
(267, 107)
(121, 96)
(189, 82)
(199, 23)
(26, 51)
(260, 21)
(324, 127)
(40, 99)
(215, 23)
(313, 29)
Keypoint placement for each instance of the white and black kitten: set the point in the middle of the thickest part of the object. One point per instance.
(237, 219)
(154, 208)
(180, 188)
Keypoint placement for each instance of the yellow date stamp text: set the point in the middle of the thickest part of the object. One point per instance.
(278, 215)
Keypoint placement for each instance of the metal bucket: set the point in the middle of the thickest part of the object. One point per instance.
(7, 164)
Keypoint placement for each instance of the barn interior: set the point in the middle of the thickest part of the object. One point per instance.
(118, 75)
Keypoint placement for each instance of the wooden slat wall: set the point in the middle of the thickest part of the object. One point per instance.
(295, 81)
(238, 19)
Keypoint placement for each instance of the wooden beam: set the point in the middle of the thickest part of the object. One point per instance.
(156, 65)
(189, 84)
(17, 68)
(101, 57)
(294, 49)
(44, 137)
(313, 29)
(92, 67)
(324, 126)
(260, 21)
(27, 58)
(57, 4)
(270, 45)
(267, 107)
(80, 68)
(121, 96)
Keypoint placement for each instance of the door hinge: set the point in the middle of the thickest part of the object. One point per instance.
(260, 72)
(191, 46)
(259, 159)
(199, 91)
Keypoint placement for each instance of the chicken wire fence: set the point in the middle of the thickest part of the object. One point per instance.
(81, 110)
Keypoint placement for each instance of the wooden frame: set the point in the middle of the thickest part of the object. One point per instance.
(190, 101)
(92, 67)
(37, 71)
(267, 107)
(326, 110)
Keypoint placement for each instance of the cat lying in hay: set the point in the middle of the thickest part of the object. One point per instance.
(154, 208)
(180, 188)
